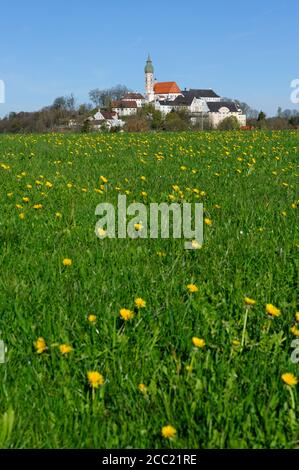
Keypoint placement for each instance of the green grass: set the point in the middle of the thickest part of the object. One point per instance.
(234, 396)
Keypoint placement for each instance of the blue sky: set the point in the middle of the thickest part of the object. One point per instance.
(242, 49)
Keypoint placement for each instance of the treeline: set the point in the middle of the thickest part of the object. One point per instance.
(65, 115)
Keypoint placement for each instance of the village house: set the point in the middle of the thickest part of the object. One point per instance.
(108, 119)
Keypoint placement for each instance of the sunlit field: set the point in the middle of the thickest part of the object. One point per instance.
(142, 343)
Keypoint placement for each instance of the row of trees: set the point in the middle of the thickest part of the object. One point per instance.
(64, 111)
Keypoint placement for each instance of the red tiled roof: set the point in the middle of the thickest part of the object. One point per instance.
(165, 88)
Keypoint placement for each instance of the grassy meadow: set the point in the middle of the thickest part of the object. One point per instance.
(207, 360)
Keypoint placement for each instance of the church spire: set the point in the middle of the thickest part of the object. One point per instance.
(149, 65)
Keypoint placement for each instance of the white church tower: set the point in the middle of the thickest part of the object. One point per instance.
(149, 80)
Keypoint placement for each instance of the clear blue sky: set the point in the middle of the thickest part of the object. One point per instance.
(245, 49)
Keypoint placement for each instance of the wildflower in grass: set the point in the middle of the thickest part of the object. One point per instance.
(143, 178)
(161, 254)
(22, 216)
(58, 215)
(49, 185)
(249, 301)
(208, 221)
(297, 316)
(143, 193)
(236, 342)
(192, 288)
(183, 168)
(103, 179)
(295, 330)
(195, 245)
(18, 206)
(283, 213)
(25, 199)
(29, 186)
(289, 379)
(67, 262)
(138, 227)
(140, 303)
(95, 379)
(102, 233)
(272, 310)
(92, 318)
(69, 185)
(168, 432)
(126, 314)
(9, 194)
(198, 342)
(40, 345)
(65, 349)
(216, 206)
(142, 388)
(37, 206)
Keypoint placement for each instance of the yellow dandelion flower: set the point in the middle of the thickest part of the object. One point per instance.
(297, 316)
(272, 310)
(49, 185)
(103, 179)
(40, 345)
(58, 215)
(192, 288)
(95, 379)
(140, 303)
(126, 314)
(37, 206)
(295, 331)
(22, 216)
(249, 301)
(92, 318)
(102, 233)
(198, 342)
(143, 178)
(195, 245)
(208, 221)
(67, 262)
(65, 349)
(142, 388)
(289, 379)
(138, 227)
(168, 432)
(143, 193)
(25, 199)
